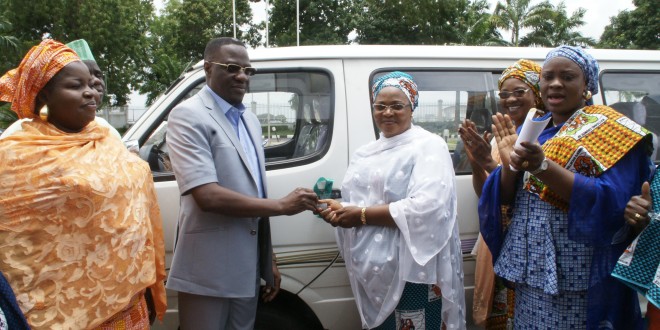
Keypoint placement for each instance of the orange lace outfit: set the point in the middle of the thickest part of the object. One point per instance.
(80, 228)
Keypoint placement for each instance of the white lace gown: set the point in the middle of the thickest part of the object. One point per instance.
(413, 173)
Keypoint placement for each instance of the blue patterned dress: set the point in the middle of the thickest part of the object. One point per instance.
(11, 316)
(559, 261)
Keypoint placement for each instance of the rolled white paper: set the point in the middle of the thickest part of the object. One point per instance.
(531, 129)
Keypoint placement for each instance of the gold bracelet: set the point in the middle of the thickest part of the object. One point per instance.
(363, 216)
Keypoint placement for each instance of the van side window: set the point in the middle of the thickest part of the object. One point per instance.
(636, 94)
(446, 98)
(295, 111)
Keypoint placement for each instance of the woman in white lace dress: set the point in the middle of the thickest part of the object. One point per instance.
(397, 222)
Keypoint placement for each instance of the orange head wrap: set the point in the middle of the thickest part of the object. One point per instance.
(528, 72)
(20, 86)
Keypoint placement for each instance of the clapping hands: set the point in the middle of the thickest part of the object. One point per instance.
(505, 136)
(477, 147)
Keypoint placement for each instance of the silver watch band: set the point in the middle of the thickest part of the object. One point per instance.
(541, 168)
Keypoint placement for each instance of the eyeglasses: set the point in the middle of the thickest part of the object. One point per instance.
(516, 92)
(393, 107)
(235, 68)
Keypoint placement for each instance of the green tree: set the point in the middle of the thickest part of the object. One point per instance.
(7, 117)
(515, 15)
(8, 43)
(558, 29)
(424, 22)
(636, 29)
(116, 31)
(186, 26)
(164, 70)
(322, 22)
(477, 28)
(9, 46)
(179, 35)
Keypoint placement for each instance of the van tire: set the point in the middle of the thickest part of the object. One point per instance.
(286, 312)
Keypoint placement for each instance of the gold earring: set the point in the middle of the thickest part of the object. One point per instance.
(587, 95)
(43, 113)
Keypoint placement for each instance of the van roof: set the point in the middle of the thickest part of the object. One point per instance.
(434, 52)
(430, 52)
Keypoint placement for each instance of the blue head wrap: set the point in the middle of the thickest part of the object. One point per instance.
(400, 80)
(586, 62)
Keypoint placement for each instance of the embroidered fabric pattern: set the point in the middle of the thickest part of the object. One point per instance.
(590, 142)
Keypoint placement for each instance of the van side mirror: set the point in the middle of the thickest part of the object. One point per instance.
(133, 146)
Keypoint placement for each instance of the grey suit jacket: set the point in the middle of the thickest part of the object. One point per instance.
(215, 255)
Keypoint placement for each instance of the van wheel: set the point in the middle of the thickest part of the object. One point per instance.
(286, 312)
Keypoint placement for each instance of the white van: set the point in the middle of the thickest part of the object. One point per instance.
(314, 106)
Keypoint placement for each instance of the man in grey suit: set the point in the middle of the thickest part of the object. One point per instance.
(223, 244)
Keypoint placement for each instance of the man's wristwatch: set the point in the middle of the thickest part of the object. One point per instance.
(541, 168)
